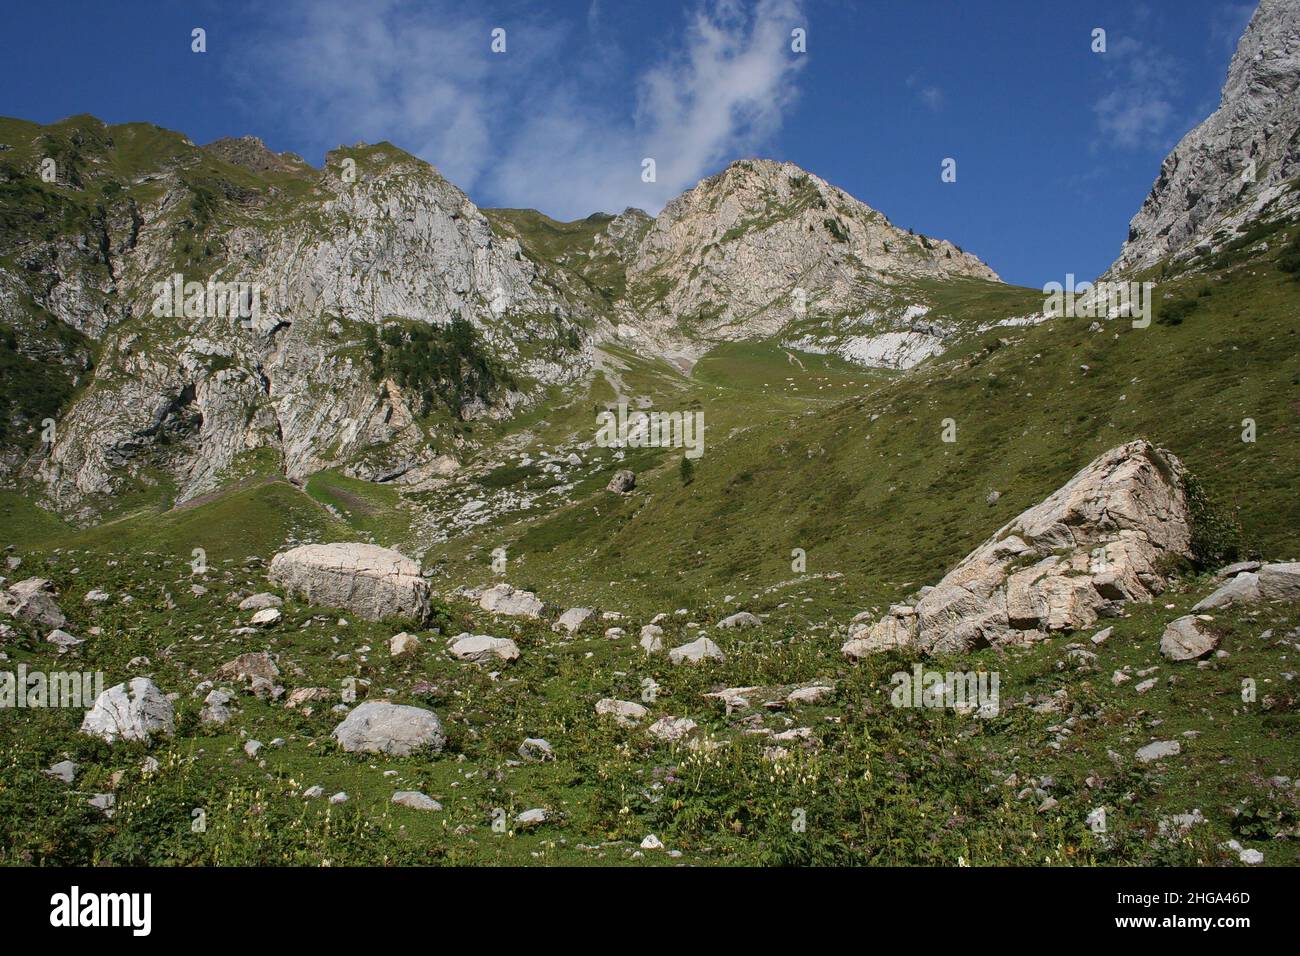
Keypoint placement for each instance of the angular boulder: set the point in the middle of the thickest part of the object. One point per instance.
(135, 711)
(624, 712)
(369, 581)
(483, 649)
(624, 481)
(1280, 582)
(1242, 589)
(1098, 540)
(698, 650)
(1186, 639)
(512, 602)
(32, 600)
(395, 729)
(573, 619)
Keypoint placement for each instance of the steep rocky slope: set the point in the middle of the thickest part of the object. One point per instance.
(1240, 165)
(391, 312)
(762, 245)
(375, 239)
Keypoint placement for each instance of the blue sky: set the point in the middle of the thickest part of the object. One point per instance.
(1056, 146)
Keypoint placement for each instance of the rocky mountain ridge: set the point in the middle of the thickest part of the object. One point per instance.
(1240, 165)
(376, 239)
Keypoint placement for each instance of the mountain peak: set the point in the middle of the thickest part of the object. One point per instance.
(1239, 163)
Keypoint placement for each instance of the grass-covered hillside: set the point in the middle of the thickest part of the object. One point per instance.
(801, 452)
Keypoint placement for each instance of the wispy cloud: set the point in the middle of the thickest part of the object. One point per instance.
(1138, 111)
(544, 124)
(927, 93)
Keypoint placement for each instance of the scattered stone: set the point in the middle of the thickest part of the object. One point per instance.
(1185, 639)
(696, 651)
(32, 601)
(394, 729)
(217, 707)
(536, 749)
(624, 481)
(414, 800)
(308, 695)
(314, 793)
(573, 619)
(741, 619)
(261, 602)
(652, 638)
(266, 617)
(1159, 750)
(403, 645)
(136, 711)
(652, 842)
(252, 747)
(672, 729)
(64, 770)
(1242, 589)
(532, 818)
(814, 694)
(482, 649)
(96, 596)
(1102, 636)
(104, 802)
(340, 797)
(625, 712)
(504, 599)
(63, 640)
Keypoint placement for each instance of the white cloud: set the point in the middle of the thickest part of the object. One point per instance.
(549, 124)
(1138, 110)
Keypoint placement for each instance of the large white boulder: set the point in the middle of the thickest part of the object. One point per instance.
(367, 580)
(396, 729)
(134, 711)
(1098, 540)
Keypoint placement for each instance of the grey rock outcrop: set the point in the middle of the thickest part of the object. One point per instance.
(370, 581)
(1237, 163)
(1097, 540)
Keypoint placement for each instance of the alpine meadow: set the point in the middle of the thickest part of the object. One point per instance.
(348, 521)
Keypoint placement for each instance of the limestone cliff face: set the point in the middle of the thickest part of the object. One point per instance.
(371, 249)
(377, 237)
(1239, 165)
(764, 244)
